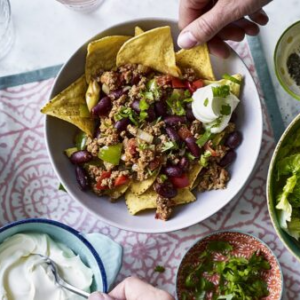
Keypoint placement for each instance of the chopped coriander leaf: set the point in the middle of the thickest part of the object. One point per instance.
(126, 112)
(204, 138)
(219, 246)
(221, 91)
(169, 146)
(143, 104)
(203, 161)
(188, 100)
(143, 115)
(190, 156)
(143, 146)
(149, 96)
(159, 269)
(231, 78)
(226, 110)
(206, 101)
(163, 177)
(187, 94)
(62, 188)
(153, 87)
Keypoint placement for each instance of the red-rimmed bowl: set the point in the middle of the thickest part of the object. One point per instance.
(243, 246)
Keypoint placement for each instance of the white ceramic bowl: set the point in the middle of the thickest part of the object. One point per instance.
(59, 136)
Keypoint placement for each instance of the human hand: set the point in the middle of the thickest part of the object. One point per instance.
(133, 288)
(216, 21)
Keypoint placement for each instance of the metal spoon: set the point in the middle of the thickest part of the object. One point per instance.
(59, 281)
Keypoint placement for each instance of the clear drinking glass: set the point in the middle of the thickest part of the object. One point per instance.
(6, 28)
(82, 5)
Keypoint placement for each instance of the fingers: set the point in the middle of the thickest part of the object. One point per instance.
(100, 296)
(259, 17)
(249, 27)
(189, 10)
(133, 288)
(232, 32)
(218, 47)
(207, 26)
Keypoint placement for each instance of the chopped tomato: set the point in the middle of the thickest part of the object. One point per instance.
(164, 80)
(104, 175)
(177, 83)
(121, 180)
(132, 146)
(207, 147)
(190, 87)
(180, 182)
(198, 84)
(184, 133)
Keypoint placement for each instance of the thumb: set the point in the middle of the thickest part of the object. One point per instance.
(100, 296)
(208, 25)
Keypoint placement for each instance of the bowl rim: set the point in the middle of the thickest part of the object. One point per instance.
(282, 83)
(238, 232)
(125, 227)
(273, 216)
(70, 230)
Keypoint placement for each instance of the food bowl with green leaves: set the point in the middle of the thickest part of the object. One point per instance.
(283, 188)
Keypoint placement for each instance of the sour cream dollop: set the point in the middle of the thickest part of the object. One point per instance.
(24, 277)
(214, 112)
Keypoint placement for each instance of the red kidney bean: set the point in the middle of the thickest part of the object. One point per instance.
(81, 177)
(135, 79)
(174, 120)
(184, 164)
(189, 114)
(192, 145)
(151, 114)
(233, 140)
(122, 124)
(229, 157)
(166, 189)
(173, 135)
(102, 108)
(117, 94)
(80, 157)
(135, 105)
(161, 108)
(173, 171)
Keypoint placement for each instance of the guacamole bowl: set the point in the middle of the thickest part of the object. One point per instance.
(272, 189)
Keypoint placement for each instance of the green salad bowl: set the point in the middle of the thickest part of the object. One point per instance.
(290, 243)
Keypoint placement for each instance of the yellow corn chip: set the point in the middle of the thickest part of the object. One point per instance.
(198, 59)
(137, 203)
(68, 105)
(140, 187)
(153, 48)
(235, 88)
(102, 54)
(117, 192)
(138, 30)
(193, 174)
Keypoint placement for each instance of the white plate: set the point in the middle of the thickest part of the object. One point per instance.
(59, 136)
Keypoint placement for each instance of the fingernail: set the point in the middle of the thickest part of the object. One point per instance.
(100, 296)
(186, 40)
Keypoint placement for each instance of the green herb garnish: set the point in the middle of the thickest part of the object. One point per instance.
(204, 138)
(226, 109)
(163, 177)
(231, 78)
(190, 156)
(221, 91)
(62, 188)
(206, 101)
(159, 269)
(169, 146)
(143, 104)
(126, 112)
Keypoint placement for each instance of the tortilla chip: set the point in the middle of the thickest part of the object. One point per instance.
(193, 174)
(140, 187)
(68, 105)
(102, 54)
(235, 88)
(138, 30)
(147, 200)
(153, 48)
(117, 192)
(198, 59)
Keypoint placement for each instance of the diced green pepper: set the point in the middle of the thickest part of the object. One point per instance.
(80, 140)
(111, 154)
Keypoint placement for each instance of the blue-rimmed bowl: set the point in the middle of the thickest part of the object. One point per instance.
(96, 251)
(244, 244)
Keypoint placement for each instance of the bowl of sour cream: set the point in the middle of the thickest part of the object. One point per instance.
(89, 262)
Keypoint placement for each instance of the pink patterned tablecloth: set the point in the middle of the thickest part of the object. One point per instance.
(28, 188)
